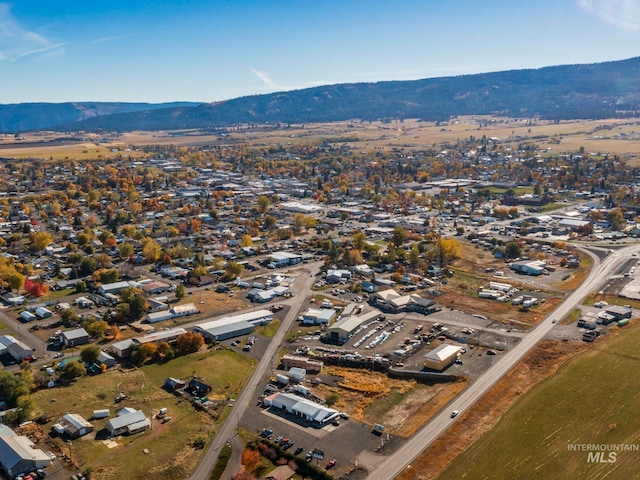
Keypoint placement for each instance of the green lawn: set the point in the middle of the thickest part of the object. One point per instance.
(593, 399)
(549, 207)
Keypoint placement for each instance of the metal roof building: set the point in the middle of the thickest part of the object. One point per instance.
(343, 329)
(18, 454)
(75, 425)
(128, 421)
(441, 357)
(301, 407)
(233, 326)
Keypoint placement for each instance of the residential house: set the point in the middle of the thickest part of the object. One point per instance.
(128, 421)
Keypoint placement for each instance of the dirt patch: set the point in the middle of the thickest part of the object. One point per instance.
(419, 406)
(540, 363)
(127, 387)
(369, 396)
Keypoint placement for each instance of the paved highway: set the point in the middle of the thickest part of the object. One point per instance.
(301, 287)
(396, 462)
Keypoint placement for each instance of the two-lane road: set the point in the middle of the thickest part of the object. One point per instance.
(301, 286)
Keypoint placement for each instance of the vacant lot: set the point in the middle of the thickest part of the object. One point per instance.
(401, 405)
(171, 454)
(593, 399)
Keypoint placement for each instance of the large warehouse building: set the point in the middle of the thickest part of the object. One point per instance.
(441, 357)
(233, 326)
(342, 330)
(312, 412)
(19, 454)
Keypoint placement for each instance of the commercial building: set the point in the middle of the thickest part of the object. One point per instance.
(318, 316)
(312, 412)
(310, 366)
(393, 302)
(284, 259)
(618, 312)
(18, 350)
(18, 454)
(174, 312)
(75, 337)
(115, 288)
(441, 357)
(233, 326)
(343, 329)
(534, 268)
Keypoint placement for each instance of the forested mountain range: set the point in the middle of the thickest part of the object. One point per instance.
(589, 91)
(22, 117)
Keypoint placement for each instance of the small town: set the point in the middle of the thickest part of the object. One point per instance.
(144, 293)
(330, 240)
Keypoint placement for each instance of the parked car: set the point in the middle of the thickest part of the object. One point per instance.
(298, 451)
(490, 352)
(331, 463)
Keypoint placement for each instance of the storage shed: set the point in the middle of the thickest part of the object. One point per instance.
(26, 316)
(75, 425)
(297, 374)
(43, 312)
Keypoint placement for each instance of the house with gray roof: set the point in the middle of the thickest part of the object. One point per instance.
(129, 421)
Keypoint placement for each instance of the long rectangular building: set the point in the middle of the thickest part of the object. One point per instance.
(343, 329)
(233, 326)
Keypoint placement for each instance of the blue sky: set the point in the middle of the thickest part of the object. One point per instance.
(211, 50)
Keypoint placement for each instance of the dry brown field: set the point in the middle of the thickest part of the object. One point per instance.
(595, 136)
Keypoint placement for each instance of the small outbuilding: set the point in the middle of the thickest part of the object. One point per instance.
(43, 312)
(297, 374)
(26, 316)
(74, 425)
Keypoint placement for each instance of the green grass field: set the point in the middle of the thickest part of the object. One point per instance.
(593, 399)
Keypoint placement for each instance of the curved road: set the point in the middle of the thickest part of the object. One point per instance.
(396, 462)
(301, 286)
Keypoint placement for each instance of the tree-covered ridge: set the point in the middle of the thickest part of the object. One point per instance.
(603, 90)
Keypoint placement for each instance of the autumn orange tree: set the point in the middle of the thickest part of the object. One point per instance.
(189, 343)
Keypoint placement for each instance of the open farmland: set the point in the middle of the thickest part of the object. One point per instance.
(613, 136)
(171, 453)
(591, 400)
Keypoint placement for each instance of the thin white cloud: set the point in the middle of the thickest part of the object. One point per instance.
(623, 14)
(265, 78)
(17, 42)
(108, 39)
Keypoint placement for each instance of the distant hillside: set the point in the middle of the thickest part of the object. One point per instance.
(21, 117)
(602, 90)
